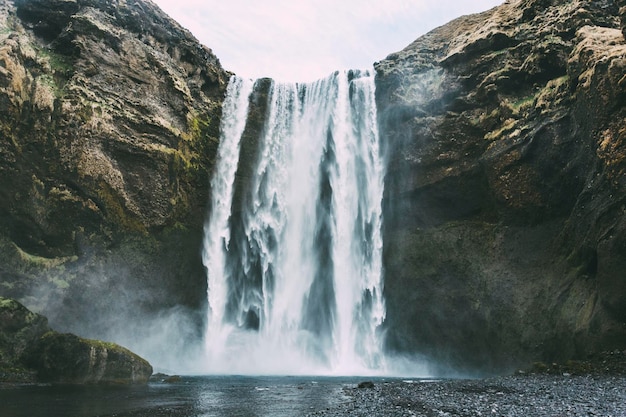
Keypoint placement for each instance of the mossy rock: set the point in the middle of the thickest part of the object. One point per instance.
(29, 351)
(68, 359)
(19, 329)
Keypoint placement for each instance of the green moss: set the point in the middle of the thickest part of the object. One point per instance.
(180, 162)
(33, 270)
(48, 80)
(553, 94)
(61, 63)
(40, 262)
(103, 345)
(48, 334)
(15, 374)
(196, 126)
(508, 126)
(8, 304)
(523, 103)
(192, 159)
(61, 67)
(116, 212)
(111, 347)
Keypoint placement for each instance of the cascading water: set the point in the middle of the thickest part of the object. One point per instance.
(294, 266)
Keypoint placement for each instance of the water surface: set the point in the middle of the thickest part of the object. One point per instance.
(193, 396)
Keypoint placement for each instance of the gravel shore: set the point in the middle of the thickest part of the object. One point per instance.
(523, 396)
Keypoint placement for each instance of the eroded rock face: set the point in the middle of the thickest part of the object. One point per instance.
(109, 119)
(505, 197)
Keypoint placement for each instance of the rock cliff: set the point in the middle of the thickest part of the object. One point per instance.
(505, 137)
(505, 196)
(109, 119)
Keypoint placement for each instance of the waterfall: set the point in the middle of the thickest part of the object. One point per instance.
(294, 266)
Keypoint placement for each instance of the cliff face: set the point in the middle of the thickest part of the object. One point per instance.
(109, 119)
(505, 132)
(505, 231)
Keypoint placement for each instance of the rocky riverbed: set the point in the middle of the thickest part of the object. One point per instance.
(520, 395)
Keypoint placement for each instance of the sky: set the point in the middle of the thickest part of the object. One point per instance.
(305, 40)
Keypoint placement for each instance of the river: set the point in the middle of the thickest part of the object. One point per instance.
(527, 395)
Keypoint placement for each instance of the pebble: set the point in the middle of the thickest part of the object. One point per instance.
(512, 396)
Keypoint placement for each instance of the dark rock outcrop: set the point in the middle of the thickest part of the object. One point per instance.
(20, 329)
(31, 352)
(505, 231)
(109, 119)
(68, 359)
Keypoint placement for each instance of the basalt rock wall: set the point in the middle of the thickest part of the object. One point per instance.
(505, 234)
(109, 125)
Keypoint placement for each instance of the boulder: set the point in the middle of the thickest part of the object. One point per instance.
(19, 329)
(68, 359)
(30, 352)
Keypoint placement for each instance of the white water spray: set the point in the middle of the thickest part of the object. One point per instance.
(216, 231)
(295, 267)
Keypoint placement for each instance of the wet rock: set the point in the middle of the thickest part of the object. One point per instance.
(69, 359)
(505, 144)
(509, 396)
(110, 111)
(19, 329)
(173, 379)
(165, 378)
(30, 352)
(504, 135)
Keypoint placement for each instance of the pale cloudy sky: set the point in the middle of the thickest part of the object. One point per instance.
(304, 40)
